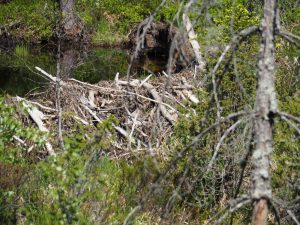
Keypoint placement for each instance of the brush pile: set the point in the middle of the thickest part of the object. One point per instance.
(146, 109)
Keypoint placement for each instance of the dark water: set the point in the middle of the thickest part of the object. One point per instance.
(18, 76)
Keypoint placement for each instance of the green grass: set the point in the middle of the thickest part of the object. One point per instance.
(106, 35)
(36, 19)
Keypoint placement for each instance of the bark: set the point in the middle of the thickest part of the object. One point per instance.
(265, 107)
(71, 27)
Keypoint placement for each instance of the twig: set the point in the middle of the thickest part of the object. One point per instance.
(237, 205)
(230, 129)
(291, 124)
(294, 218)
(294, 118)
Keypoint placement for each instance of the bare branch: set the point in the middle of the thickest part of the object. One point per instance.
(230, 129)
(291, 124)
(292, 215)
(289, 34)
(289, 39)
(289, 116)
(235, 205)
(281, 204)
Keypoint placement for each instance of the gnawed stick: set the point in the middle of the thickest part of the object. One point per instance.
(36, 103)
(37, 117)
(49, 76)
(190, 96)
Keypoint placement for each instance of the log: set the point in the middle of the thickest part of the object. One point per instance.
(193, 40)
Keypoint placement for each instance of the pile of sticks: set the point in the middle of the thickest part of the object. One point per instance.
(146, 108)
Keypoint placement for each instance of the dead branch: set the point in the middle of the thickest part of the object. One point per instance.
(237, 205)
(180, 155)
(289, 116)
(290, 37)
(193, 40)
(230, 129)
(37, 117)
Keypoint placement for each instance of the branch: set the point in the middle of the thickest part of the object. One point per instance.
(236, 40)
(282, 205)
(291, 124)
(292, 215)
(233, 46)
(292, 38)
(37, 117)
(230, 129)
(289, 116)
(234, 205)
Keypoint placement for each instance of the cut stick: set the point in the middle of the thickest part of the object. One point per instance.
(37, 117)
(124, 133)
(119, 129)
(36, 103)
(19, 140)
(81, 120)
(49, 76)
(92, 99)
(172, 119)
(190, 95)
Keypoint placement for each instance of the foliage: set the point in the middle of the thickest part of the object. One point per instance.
(36, 18)
(11, 127)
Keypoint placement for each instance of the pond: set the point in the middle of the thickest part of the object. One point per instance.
(18, 76)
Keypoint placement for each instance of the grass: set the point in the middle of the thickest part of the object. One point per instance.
(106, 35)
(36, 19)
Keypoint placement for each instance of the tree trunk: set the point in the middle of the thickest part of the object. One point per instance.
(265, 107)
(71, 27)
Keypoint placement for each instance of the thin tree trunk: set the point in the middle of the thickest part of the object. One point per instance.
(266, 107)
(70, 24)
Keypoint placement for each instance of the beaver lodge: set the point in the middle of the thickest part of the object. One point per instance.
(145, 108)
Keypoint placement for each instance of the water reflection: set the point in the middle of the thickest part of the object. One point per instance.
(18, 77)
